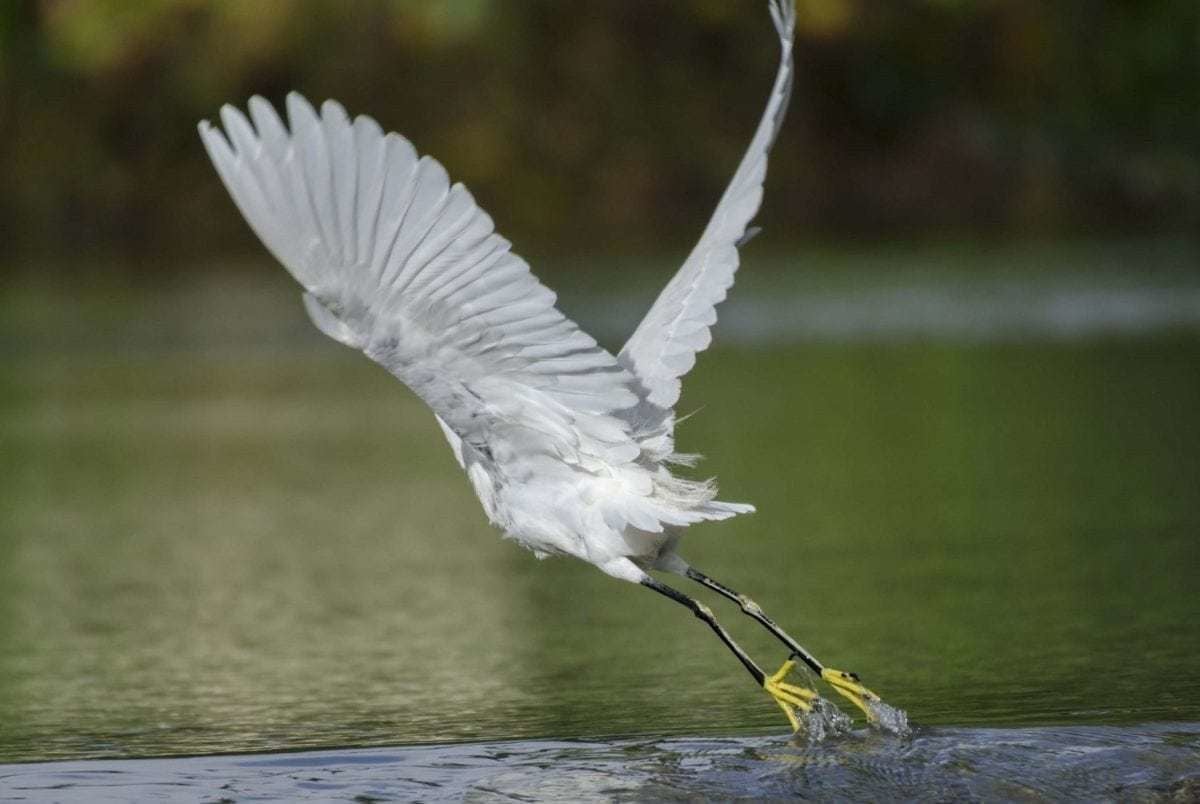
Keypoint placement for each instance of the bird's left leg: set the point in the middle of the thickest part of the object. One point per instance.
(789, 696)
(846, 684)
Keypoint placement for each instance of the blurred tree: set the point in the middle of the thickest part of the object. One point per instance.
(614, 125)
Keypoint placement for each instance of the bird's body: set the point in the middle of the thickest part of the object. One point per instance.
(568, 446)
(556, 435)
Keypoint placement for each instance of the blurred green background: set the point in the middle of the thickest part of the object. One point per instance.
(958, 375)
(614, 125)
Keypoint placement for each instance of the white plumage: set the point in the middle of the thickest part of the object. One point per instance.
(567, 446)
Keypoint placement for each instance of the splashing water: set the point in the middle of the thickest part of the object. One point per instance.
(823, 722)
(826, 720)
(889, 719)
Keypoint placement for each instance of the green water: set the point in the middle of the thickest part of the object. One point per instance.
(215, 543)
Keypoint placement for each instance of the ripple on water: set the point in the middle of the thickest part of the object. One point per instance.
(1143, 763)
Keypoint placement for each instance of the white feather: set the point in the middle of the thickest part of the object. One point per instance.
(664, 346)
(398, 262)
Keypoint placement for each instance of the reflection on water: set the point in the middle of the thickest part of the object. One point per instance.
(1145, 763)
(211, 546)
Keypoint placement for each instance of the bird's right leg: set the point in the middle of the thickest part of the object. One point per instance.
(789, 696)
(846, 684)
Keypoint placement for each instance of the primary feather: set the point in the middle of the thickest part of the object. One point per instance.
(564, 443)
(665, 344)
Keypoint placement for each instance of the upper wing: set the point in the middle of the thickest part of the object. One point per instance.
(397, 262)
(665, 344)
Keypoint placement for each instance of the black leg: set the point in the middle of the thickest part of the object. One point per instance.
(704, 613)
(753, 610)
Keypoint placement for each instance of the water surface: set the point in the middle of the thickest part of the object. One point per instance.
(221, 533)
(1149, 763)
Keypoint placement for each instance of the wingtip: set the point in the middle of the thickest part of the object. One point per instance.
(229, 112)
(212, 136)
(238, 131)
(299, 109)
(258, 102)
(331, 109)
(216, 143)
(267, 121)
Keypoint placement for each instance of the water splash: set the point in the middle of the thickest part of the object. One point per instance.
(826, 720)
(889, 719)
(823, 722)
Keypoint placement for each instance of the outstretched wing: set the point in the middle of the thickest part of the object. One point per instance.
(665, 344)
(400, 264)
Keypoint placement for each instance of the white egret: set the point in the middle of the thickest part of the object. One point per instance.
(567, 446)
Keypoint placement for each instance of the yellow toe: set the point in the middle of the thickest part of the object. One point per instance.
(790, 697)
(847, 685)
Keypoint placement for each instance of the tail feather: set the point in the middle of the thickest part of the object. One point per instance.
(717, 510)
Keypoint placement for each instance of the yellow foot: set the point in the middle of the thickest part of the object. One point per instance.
(789, 696)
(848, 686)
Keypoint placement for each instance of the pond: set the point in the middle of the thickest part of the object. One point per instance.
(222, 534)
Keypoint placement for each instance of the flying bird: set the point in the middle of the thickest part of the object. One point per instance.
(569, 448)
